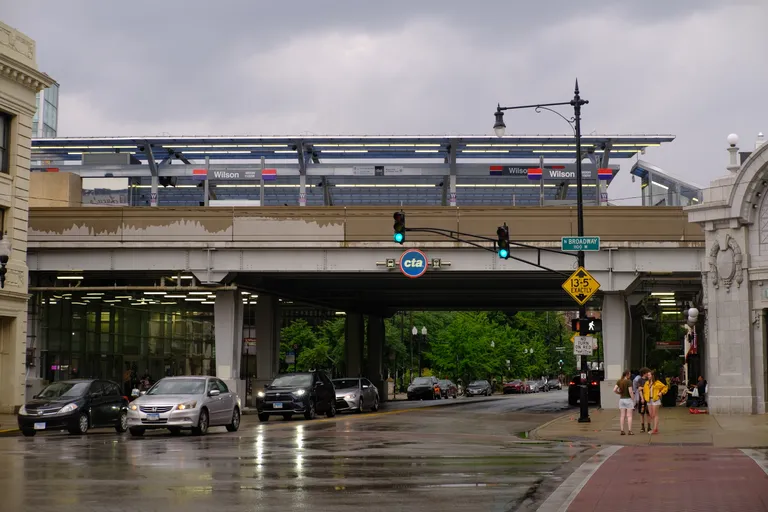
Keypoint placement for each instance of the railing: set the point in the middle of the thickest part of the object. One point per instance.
(350, 224)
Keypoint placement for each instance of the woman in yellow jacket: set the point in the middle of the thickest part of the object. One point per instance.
(652, 392)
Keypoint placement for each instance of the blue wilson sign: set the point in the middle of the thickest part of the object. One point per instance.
(413, 263)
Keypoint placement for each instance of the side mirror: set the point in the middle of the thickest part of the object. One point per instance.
(214, 392)
(319, 384)
(142, 393)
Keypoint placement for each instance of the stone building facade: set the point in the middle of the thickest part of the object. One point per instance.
(20, 81)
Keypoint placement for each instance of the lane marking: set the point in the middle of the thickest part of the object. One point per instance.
(757, 456)
(563, 496)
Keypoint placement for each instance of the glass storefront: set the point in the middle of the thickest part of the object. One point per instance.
(105, 337)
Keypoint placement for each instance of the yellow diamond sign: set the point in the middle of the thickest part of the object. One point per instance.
(581, 286)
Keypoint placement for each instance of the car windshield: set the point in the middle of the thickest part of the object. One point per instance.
(444, 383)
(346, 383)
(422, 381)
(178, 387)
(61, 389)
(477, 384)
(292, 381)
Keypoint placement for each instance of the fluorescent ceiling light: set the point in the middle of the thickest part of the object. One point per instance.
(174, 297)
(662, 294)
(194, 299)
(111, 300)
(671, 313)
(74, 278)
(245, 293)
(154, 293)
(340, 313)
(199, 293)
(94, 294)
(182, 277)
(170, 302)
(123, 296)
(660, 185)
(80, 303)
(139, 304)
(207, 302)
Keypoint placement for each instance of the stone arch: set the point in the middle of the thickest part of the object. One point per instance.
(751, 187)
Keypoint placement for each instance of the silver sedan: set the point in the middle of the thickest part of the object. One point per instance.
(356, 394)
(192, 403)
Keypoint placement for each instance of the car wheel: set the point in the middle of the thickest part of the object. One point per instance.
(331, 411)
(375, 406)
(28, 433)
(202, 424)
(81, 427)
(175, 431)
(232, 427)
(265, 417)
(122, 423)
(136, 432)
(361, 406)
(310, 414)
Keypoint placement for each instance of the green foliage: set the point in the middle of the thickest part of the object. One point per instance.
(317, 348)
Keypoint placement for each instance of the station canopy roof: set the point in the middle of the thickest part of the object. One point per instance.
(319, 148)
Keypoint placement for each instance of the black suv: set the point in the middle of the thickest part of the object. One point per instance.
(307, 393)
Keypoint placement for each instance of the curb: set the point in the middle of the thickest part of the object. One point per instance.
(533, 434)
(436, 403)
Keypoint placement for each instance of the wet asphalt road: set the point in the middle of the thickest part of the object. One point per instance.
(410, 457)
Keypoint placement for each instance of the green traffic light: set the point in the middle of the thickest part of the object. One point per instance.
(503, 253)
(399, 237)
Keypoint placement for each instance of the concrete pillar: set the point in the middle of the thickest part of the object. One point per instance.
(354, 336)
(376, 335)
(637, 339)
(153, 197)
(615, 344)
(228, 326)
(267, 333)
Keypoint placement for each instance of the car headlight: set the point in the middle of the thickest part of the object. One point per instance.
(260, 394)
(23, 411)
(351, 396)
(68, 408)
(186, 405)
(300, 392)
(134, 407)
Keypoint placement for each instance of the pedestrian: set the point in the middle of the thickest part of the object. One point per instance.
(623, 388)
(653, 390)
(640, 403)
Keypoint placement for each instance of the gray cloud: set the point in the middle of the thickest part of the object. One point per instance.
(686, 67)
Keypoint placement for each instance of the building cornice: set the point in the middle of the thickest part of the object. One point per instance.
(25, 75)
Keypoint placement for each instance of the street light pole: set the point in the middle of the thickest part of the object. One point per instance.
(499, 127)
(414, 333)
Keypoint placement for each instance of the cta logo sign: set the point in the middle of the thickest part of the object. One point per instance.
(413, 263)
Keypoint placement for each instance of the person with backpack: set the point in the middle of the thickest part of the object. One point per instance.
(642, 406)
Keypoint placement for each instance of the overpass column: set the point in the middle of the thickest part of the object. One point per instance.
(354, 335)
(267, 333)
(615, 337)
(228, 329)
(376, 335)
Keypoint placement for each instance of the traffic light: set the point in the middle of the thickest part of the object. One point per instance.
(586, 326)
(399, 227)
(503, 243)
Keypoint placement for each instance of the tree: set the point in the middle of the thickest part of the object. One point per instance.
(301, 335)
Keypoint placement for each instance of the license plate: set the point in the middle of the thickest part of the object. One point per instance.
(153, 417)
(39, 426)
(277, 405)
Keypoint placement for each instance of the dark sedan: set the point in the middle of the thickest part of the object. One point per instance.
(424, 388)
(448, 389)
(480, 388)
(75, 405)
(574, 391)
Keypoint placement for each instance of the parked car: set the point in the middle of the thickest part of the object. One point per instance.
(424, 388)
(479, 387)
(307, 393)
(448, 389)
(574, 391)
(193, 403)
(542, 385)
(356, 394)
(533, 386)
(75, 405)
(515, 386)
(554, 384)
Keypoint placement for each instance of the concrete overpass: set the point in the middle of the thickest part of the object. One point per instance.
(337, 257)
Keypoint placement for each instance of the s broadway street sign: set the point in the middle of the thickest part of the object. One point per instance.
(580, 243)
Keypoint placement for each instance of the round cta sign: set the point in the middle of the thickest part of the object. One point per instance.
(413, 263)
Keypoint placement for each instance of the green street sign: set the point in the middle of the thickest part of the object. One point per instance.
(580, 243)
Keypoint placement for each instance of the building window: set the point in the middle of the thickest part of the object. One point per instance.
(5, 142)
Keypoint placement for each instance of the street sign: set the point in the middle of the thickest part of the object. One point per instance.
(581, 286)
(560, 349)
(413, 263)
(582, 345)
(290, 357)
(593, 325)
(580, 243)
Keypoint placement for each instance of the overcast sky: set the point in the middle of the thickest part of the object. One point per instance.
(693, 68)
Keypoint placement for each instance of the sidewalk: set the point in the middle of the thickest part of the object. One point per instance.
(676, 427)
(8, 423)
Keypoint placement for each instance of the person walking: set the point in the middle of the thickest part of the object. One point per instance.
(623, 388)
(640, 403)
(653, 390)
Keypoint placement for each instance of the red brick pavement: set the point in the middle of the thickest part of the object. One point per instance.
(661, 478)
